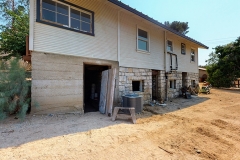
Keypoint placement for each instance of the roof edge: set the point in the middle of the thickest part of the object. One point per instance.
(140, 14)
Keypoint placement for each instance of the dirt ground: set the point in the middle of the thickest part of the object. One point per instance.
(204, 127)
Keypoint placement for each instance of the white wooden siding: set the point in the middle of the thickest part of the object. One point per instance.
(60, 41)
(130, 57)
(184, 61)
(104, 45)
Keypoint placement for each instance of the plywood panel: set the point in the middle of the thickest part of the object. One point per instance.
(111, 88)
(103, 94)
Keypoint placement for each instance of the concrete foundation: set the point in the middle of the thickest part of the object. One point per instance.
(57, 82)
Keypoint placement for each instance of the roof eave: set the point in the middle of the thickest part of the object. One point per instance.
(134, 11)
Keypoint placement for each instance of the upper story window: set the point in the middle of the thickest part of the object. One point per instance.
(192, 55)
(66, 15)
(169, 46)
(143, 40)
(183, 48)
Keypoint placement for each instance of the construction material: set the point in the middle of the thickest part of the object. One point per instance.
(131, 110)
(103, 94)
(110, 91)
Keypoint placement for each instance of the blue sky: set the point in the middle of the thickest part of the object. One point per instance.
(212, 22)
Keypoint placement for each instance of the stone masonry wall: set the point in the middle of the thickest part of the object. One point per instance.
(127, 75)
(173, 93)
(161, 86)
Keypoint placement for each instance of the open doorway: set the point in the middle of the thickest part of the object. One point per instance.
(155, 84)
(92, 86)
(184, 79)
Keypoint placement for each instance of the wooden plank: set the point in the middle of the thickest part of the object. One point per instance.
(111, 88)
(103, 94)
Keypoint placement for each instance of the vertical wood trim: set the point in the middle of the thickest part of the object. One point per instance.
(31, 25)
(119, 38)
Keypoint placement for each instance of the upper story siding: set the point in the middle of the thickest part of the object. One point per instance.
(103, 45)
(115, 39)
(130, 56)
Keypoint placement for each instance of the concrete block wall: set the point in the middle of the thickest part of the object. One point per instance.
(57, 82)
(127, 75)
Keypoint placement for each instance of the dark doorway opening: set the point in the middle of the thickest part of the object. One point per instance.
(155, 84)
(184, 79)
(92, 86)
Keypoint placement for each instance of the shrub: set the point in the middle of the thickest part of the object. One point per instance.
(14, 89)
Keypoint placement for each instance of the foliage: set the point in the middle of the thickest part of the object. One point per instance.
(181, 27)
(15, 27)
(223, 64)
(14, 89)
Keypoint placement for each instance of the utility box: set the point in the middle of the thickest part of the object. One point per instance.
(133, 101)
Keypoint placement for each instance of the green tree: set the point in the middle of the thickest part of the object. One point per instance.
(14, 27)
(14, 89)
(223, 65)
(181, 27)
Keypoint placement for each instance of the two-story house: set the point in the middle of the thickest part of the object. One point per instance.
(72, 42)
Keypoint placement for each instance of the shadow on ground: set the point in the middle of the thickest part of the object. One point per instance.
(37, 127)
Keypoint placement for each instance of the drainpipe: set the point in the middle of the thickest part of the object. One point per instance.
(165, 67)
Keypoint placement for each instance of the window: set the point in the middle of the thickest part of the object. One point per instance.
(66, 16)
(192, 55)
(138, 86)
(143, 40)
(183, 48)
(173, 84)
(169, 46)
(193, 83)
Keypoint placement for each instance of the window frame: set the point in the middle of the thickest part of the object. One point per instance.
(167, 46)
(191, 55)
(172, 84)
(183, 44)
(148, 40)
(70, 6)
(141, 85)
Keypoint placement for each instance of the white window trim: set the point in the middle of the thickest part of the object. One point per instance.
(139, 50)
(69, 15)
(172, 46)
(194, 55)
(185, 48)
(174, 83)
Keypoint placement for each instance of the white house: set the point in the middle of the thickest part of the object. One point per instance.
(72, 42)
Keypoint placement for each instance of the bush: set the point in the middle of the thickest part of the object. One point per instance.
(14, 89)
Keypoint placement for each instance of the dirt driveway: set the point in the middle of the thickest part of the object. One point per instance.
(205, 127)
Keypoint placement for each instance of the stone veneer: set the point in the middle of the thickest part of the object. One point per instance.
(173, 93)
(127, 75)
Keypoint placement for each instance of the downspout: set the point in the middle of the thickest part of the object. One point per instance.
(165, 67)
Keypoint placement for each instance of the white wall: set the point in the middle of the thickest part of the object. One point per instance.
(184, 61)
(104, 45)
(60, 41)
(130, 57)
